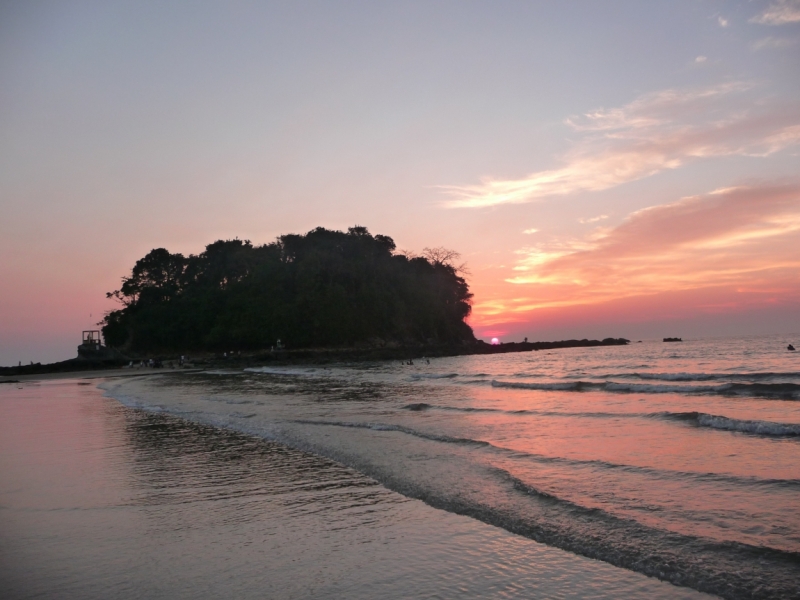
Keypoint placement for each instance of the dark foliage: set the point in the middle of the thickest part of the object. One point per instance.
(324, 288)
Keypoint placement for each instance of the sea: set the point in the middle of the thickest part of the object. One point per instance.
(652, 470)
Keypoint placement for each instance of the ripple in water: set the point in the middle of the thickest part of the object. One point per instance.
(98, 500)
(680, 462)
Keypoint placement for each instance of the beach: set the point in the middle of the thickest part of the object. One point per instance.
(103, 501)
(652, 470)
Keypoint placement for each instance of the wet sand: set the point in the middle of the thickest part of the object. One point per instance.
(95, 374)
(102, 501)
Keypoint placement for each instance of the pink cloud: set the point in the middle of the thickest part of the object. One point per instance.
(691, 313)
(655, 132)
(742, 240)
(780, 12)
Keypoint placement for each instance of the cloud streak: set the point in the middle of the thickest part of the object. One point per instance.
(772, 42)
(781, 12)
(654, 133)
(744, 239)
(593, 219)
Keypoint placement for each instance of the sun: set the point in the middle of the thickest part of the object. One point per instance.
(495, 342)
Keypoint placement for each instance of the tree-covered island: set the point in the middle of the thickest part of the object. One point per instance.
(327, 295)
(322, 289)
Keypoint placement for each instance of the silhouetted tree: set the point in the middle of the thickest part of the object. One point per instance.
(324, 288)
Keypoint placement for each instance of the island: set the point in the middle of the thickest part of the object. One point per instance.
(319, 290)
(323, 296)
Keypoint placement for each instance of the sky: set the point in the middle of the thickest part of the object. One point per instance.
(606, 169)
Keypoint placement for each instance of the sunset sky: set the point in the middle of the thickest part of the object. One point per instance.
(604, 168)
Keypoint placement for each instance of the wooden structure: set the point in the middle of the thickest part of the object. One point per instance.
(91, 340)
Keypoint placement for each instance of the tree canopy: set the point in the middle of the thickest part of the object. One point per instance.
(322, 289)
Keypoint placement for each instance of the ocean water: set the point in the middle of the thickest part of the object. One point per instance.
(675, 461)
(102, 501)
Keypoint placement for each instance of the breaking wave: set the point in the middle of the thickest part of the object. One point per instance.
(700, 419)
(762, 428)
(418, 376)
(295, 372)
(782, 391)
(541, 458)
(703, 376)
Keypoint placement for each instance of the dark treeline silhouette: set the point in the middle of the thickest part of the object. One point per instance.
(322, 289)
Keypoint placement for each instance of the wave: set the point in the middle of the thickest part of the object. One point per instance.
(703, 376)
(684, 559)
(421, 406)
(308, 372)
(225, 422)
(522, 508)
(700, 419)
(417, 406)
(782, 391)
(399, 428)
(239, 415)
(761, 428)
(573, 462)
(785, 391)
(730, 569)
(224, 400)
(568, 386)
(418, 376)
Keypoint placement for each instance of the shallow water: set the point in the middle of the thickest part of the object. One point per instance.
(680, 461)
(99, 500)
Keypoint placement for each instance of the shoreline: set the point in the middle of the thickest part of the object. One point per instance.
(375, 431)
(451, 469)
(281, 518)
(90, 374)
(73, 368)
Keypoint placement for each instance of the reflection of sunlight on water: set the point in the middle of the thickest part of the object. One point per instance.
(99, 500)
(687, 472)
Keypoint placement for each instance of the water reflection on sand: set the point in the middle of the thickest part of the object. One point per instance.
(102, 501)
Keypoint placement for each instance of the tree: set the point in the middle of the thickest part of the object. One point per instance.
(445, 257)
(157, 276)
(324, 288)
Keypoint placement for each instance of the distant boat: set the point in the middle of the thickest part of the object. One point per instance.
(673, 340)
(790, 348)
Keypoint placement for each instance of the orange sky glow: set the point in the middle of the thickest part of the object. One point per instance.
(605, 171)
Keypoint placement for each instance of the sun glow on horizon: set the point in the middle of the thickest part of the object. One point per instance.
(621, 192)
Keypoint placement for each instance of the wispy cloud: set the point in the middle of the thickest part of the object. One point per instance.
(772, 42)
(722, 21)
(745, 237)
(593, 219)
(701, 59)
(657, 108)
(655, 132)
(531, 230)
(780, 12)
